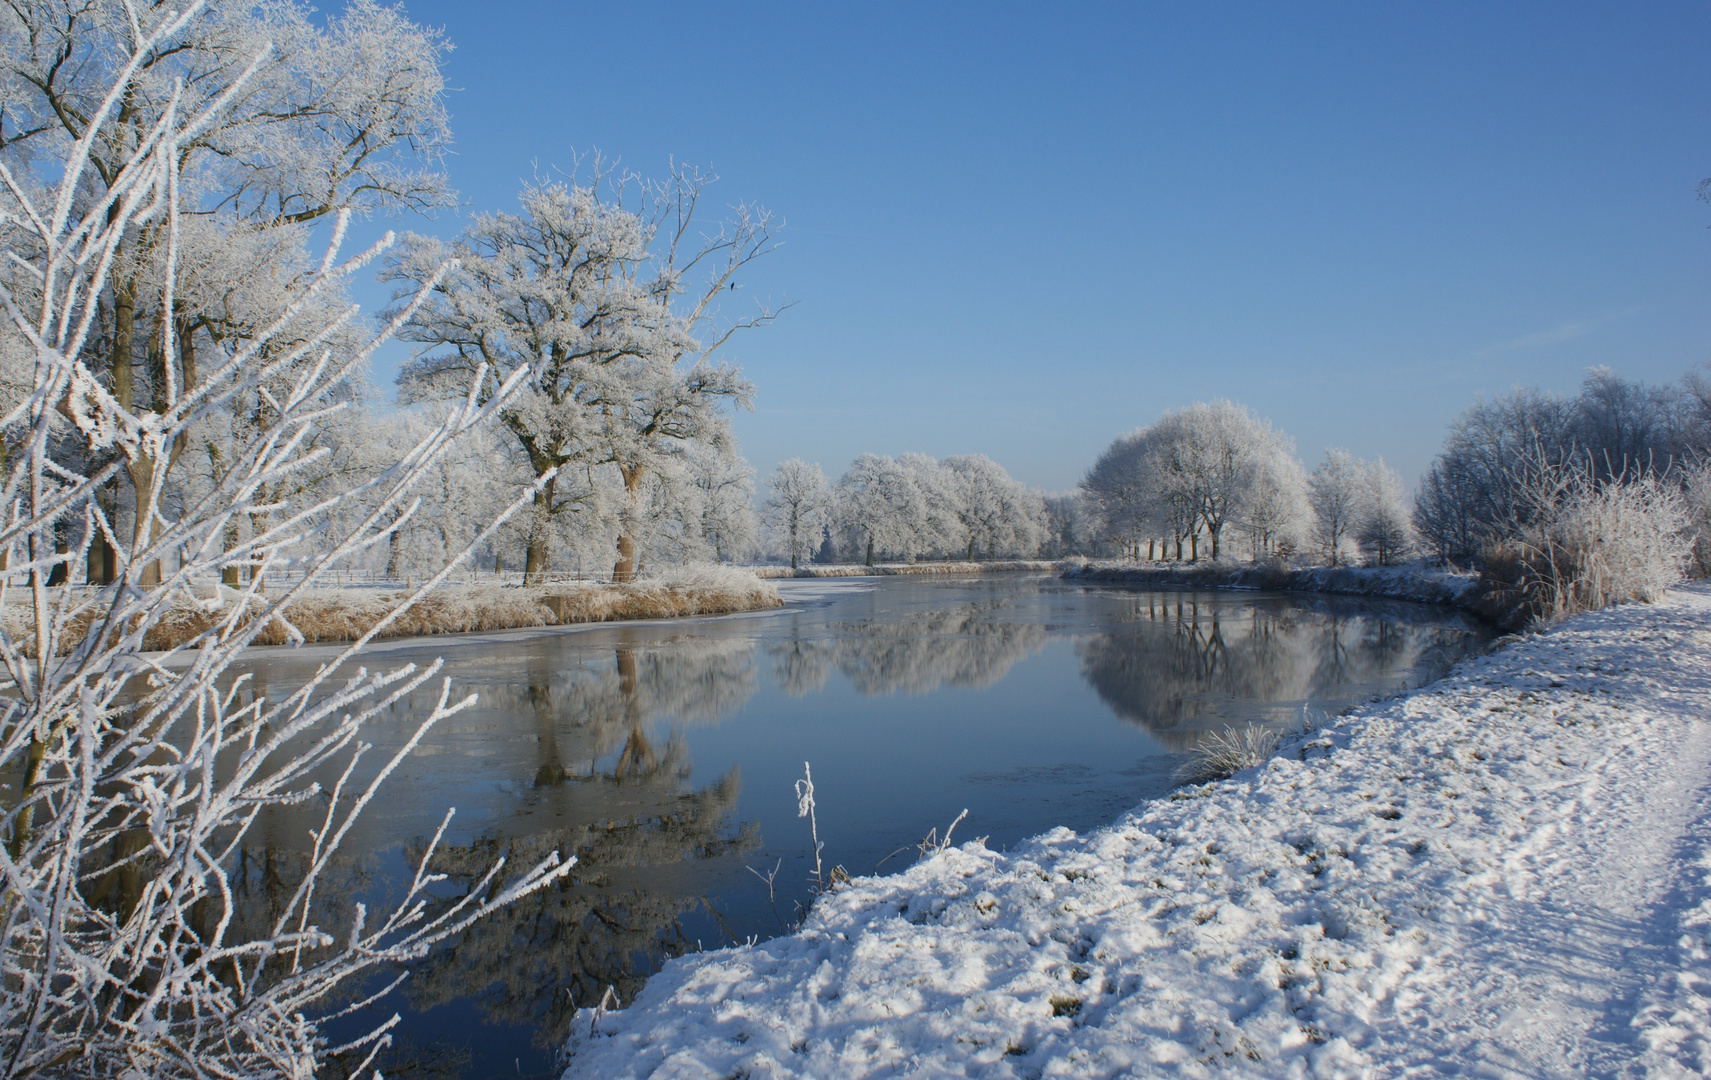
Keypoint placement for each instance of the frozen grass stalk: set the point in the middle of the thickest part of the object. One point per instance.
(1225, 753)
(805, 809)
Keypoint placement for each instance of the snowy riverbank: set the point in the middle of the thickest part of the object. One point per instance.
(1506, 873)
(1412, 582)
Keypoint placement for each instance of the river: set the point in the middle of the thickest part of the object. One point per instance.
(664, 757)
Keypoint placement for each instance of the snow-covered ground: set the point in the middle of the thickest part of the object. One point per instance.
(1507, 873)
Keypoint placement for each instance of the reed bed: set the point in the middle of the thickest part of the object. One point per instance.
(329, 615)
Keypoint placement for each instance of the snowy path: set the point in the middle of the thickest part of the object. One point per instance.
(1507, 874)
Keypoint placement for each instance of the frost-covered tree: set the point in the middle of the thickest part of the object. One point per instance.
(796, 504)
(880, 509)
(724, 489)
(940, 527)
(1121, 490)
(998, 515)
(590, 288)
(1337, 493)
(1213, 456)
(1275, 508)
(1203, 467)
(1383, 529)
(312, 116)
(1069, 526)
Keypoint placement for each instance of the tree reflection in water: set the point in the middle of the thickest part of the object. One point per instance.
(1179, 667)
(629, 821)
(600, 780)
(968, 645)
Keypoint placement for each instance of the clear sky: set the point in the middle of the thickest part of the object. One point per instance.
(1020, 230)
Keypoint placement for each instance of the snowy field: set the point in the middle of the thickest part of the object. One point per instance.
(1507, 874)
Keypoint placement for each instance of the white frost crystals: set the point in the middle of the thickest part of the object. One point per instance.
(1502, 874)
(135, 777)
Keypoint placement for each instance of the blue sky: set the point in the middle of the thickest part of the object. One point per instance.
(1020, 230)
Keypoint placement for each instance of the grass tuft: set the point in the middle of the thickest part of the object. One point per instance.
(1222, 754)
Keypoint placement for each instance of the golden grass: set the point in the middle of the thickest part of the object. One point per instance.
(328, 615)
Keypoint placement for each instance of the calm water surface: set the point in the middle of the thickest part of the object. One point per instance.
(663, 757)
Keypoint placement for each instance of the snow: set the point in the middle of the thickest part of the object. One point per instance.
(1507, 873)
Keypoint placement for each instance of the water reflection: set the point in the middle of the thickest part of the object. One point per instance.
(968, 645)
(609, 924)
(1181, 665)
(610, 789)
(587, 759)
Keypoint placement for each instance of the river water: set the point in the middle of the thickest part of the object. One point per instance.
(663, 756)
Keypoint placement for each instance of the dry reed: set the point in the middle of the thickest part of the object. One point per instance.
(327, 615)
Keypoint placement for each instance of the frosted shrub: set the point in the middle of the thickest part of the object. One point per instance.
(1590, 545)
(1628, 541)
(1225, 753)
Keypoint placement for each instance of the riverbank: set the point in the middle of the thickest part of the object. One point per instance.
(334, 615)
(1506, 872)
(1413, 582)
(914, 569)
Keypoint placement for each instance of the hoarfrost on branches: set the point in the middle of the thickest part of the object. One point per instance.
(589, 289)
(796, 504)
(139, 774)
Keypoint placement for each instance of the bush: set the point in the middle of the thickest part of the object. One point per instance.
(1592, 545)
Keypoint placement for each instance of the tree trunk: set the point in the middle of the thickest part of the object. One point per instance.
(624, 570)
(229, 572)
(870, 551)
(1194, 548)
(793, 546)
(61, 572)
(142, 473)
(1215, 533)
(537, 558)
